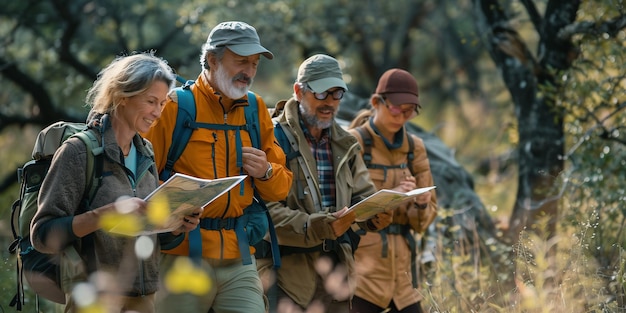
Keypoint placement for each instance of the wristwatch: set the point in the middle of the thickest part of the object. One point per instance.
(268, 173)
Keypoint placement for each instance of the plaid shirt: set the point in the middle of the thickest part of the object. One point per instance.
(324, 162)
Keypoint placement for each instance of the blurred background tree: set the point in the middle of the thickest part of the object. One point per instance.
(521, 93)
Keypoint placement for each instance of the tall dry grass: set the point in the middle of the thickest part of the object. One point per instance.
(535, 275)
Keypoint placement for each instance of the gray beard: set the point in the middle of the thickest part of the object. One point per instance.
(312, 120)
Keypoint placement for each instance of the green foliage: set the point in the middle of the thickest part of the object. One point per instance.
(594, 97)
(581, 268)
(8, 285)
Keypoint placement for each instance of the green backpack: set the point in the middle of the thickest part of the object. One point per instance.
(50, 275)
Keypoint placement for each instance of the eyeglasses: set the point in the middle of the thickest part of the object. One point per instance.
(407, 109)
(337, 93)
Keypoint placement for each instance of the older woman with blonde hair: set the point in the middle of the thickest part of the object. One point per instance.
(126, 99)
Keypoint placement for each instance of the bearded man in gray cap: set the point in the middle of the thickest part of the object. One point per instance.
(316, 235)
(221, 146)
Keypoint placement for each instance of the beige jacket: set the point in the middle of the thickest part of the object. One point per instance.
(382, 279)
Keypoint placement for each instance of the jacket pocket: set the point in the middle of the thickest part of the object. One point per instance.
(205, 147)
(377, 176)
(72, 269)
(369, 239)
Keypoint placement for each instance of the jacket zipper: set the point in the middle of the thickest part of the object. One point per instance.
(215, 176)
(213, 154)
(142, 169)
(142, 283)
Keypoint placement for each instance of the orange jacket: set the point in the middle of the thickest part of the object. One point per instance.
(212, 154)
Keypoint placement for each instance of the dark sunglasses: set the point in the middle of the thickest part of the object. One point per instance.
(337, 93)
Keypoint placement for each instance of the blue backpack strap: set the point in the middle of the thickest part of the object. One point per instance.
(182, 80)
(252, 120)
(284, 143)
(272, 230)
(185, 118)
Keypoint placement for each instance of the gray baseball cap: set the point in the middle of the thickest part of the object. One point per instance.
(239, 37)
(321, 72)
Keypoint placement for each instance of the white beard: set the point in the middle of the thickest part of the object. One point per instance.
(225, 84)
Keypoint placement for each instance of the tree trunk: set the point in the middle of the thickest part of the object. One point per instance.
(540, 124)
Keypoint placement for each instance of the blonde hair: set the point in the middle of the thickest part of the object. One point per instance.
(127, 76)
(364, 115)
(361, 118)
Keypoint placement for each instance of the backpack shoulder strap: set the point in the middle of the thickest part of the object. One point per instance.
(251, 114)
(290, 141)
(94, 174)
(252, 119)
(185, 118)
(367, 152)
(95, 163)
(367, 144)
(182, 130)
(411, 154)
(270, 228)
(289, 148)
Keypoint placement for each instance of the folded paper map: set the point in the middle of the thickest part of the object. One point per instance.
(179, 196)
(384, 200)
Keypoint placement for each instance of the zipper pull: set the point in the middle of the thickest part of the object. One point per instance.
(213, 147)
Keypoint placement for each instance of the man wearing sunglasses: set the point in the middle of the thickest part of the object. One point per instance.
(317, 240)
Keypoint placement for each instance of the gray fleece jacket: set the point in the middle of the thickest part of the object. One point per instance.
(60, 199)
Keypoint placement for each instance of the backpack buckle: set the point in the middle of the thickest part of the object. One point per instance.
(13, 246)
(224, 224)
(328, 245)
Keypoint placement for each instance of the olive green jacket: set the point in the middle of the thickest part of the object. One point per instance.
(301, 223)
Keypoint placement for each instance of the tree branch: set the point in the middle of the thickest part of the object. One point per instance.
(47, 110)
(72, 25)
(28, 85)
(366, 51)
(611, 27)
(414, 18)
(173, 33)
(535, 17)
